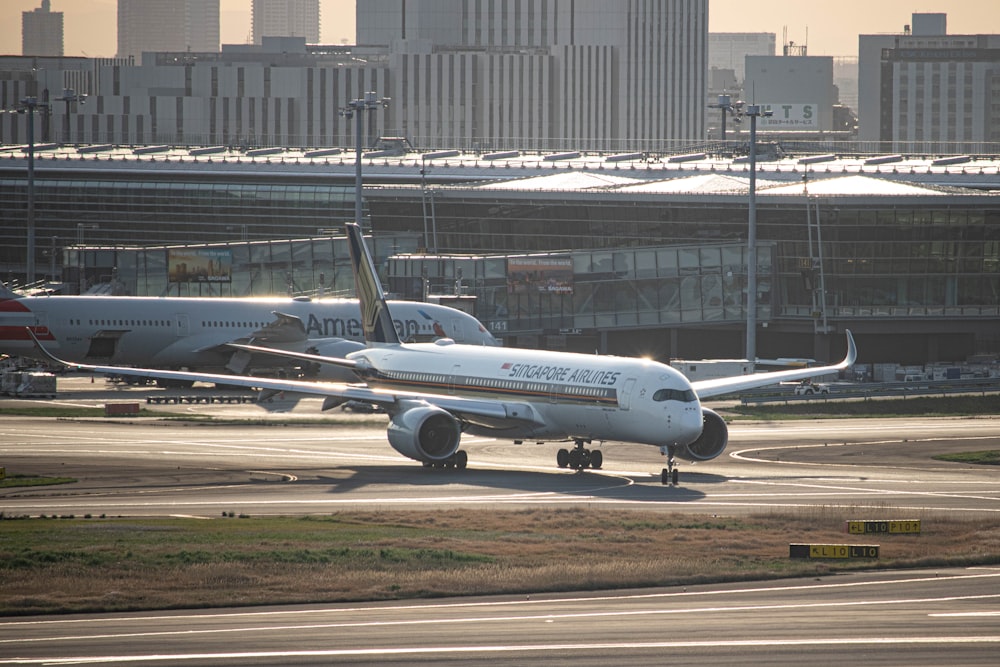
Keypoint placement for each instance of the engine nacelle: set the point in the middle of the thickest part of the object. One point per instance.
(424, 433)
(712, 441)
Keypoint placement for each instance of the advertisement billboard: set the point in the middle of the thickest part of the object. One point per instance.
(200, 265)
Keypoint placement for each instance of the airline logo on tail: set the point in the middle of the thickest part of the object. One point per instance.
(376, 322)
(19, 331)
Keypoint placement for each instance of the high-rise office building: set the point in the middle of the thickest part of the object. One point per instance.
(285, 18)
(925, 87)
(587, 74)
(42, 31)
(729, 50)
(167, 25)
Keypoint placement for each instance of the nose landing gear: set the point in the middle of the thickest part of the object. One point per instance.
(580, 457)
(670, 474)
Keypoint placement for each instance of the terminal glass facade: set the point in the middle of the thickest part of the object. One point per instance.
(919, 255)
(163, 209)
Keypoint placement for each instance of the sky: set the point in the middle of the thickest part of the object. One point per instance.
(826, 28)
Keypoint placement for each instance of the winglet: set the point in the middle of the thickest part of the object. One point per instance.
(852, 351)
(51, 357)
(728, 385)
(376, 322)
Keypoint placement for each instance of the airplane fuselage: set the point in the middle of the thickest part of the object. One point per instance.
(174, 332)
(571, 396)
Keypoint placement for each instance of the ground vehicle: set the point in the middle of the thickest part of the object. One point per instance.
(362, 407)
(810, 388)
(28, 384)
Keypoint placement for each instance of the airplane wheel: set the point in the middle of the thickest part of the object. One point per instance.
(596, 459)
(574, 459)
(562, 458)
(584, 459)
(675, 476)
(665, 477)
(461, 459)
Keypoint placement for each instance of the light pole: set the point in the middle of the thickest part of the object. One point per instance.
(355, 109)
(81, 256)
(52, 260)
(754, 111)
(727, 106)
(28, 106)
(423, 197)
(69, 96)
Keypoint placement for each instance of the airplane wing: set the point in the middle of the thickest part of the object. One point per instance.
(284, 329)
(728, 385)
(494, 413)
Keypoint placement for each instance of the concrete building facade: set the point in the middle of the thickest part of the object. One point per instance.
(798, 89)
(544, 74)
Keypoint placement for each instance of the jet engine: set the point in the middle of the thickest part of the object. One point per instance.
(712, 441)
(425, 433)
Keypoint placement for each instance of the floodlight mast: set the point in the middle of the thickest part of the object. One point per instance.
(354, 109)
(29, 105)
(753, 111)
(727, 106)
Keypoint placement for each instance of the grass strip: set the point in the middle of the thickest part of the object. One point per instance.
(50, 565)
(924, 406)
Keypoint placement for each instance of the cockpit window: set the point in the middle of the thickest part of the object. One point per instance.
(683, 395)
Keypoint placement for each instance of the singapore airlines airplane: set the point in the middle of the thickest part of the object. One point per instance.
(434, 392)
(193, 333)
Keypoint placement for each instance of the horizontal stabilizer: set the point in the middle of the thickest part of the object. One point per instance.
(300, 356)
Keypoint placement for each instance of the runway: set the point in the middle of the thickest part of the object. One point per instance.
(159, 469)
(917, 618)
(151, 468)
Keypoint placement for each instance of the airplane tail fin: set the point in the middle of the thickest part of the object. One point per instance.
(376, 321)
(7, 293)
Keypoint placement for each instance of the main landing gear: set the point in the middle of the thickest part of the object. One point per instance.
(670, 474)
(457, 460)
(580, 457)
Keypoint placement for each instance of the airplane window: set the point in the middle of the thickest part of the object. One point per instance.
(683, 395)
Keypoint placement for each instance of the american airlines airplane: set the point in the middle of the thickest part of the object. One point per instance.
(193, 333)
(435, 392)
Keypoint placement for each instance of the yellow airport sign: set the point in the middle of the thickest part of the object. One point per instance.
(894, 527)
(844, 551)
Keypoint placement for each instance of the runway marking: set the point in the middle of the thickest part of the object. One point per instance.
(463, 606)
(768, 644)
(741, 455)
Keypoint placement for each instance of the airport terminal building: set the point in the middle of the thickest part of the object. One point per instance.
(626, 254)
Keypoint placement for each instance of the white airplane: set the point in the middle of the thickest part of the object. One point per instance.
(192, 333)
(434, 392)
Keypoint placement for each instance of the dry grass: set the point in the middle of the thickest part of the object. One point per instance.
(60, 565)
